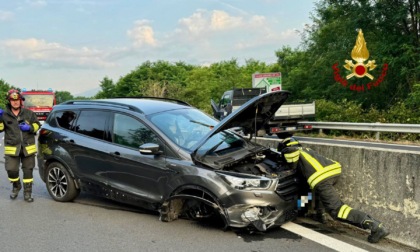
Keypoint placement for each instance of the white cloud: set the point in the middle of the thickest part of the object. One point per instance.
(204, 23)
(40, 52)
(196, 24)
(210, 36)
(5, 15)
(142, 34)
(221, 20)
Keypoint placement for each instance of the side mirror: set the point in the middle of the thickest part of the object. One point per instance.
(150, 149)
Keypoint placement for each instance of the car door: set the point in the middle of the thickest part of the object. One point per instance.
(135, 176)
(87, 148)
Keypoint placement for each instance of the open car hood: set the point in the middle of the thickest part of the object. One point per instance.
(251, 116)
(254, 114)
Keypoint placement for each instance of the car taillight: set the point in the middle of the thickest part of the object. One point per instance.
(274, 130)
(307, 126)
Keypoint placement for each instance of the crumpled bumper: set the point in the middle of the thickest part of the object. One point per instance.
(260, 218)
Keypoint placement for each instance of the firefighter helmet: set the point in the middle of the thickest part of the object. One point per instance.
(14, 94)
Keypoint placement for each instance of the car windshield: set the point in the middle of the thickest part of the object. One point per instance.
(38, 100)
(185, 127)
(220, 144)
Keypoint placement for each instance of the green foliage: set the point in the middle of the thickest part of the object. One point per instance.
(107, 89)
(344, 111)
(161, 76)
(4, 87)
(62, 96)
(391, 38)
(413, 100)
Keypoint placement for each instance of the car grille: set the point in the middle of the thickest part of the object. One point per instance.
(288, 186)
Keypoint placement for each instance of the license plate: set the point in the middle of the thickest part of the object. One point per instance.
(290, 128)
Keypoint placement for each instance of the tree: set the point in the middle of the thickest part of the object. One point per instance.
(107, 89)
(62, 96)
(167, 76)
(4, 87)
(391, 29)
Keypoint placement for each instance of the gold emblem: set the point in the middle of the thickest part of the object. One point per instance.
(360, 54)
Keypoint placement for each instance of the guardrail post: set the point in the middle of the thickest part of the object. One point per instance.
(378, 135)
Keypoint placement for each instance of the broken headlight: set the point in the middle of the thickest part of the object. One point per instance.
(246, 182)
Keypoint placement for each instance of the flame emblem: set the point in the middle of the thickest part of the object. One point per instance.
(360, 54)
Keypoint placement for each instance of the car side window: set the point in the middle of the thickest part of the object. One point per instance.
(225, 100)
(92, 123)
(65, 119)
(130, 132)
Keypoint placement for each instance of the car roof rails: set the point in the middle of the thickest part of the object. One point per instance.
(102, 102)
(156, 98)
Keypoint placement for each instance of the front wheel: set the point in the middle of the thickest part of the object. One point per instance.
(60, 184)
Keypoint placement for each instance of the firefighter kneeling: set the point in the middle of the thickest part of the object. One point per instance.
(19, 126)
(321, 174)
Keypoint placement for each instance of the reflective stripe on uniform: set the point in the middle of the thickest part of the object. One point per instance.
(292, 143)
(1, 126)
(344, 212)
(30, 180)
(14, 179)
(10, 150)
(31, 149)
(292, 157)
(315, 164)
(35, 126)
(326, 172)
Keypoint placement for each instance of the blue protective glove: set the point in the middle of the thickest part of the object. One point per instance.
(24, 126)
(1, 112)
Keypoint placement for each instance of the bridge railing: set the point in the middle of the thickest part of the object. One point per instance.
(374, 127)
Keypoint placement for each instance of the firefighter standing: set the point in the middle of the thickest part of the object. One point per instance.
(321, 174)
(19, 126)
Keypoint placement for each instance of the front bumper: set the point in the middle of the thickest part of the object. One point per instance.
(260, 217)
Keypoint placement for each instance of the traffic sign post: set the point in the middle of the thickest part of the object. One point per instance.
(271, 81)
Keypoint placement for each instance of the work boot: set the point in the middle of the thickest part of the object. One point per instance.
(27, 192)
(377, 229)
(16, 188)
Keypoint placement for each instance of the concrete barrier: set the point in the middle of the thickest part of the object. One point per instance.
(381, 182)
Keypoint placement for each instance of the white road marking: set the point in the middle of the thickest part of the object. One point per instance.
(320, 238)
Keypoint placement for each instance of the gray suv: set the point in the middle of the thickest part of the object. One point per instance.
(167, 156)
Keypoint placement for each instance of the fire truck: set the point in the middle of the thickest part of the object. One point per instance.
(39, 101)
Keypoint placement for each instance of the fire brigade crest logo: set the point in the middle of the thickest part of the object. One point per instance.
(358, 68)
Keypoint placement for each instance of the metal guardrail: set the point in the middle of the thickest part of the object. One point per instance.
(375, 127)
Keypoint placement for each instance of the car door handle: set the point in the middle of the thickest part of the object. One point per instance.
(115, 154)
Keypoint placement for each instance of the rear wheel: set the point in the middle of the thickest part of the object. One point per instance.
(60, 184)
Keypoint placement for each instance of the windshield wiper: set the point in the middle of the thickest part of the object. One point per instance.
(210, 126)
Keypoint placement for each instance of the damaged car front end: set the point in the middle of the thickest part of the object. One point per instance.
(255, 189)
(260, 206)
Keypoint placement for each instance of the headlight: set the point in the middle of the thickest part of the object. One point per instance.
(246, 182)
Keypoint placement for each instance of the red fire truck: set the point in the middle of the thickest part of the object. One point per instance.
(39, 101)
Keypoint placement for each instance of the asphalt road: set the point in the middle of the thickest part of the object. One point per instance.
(94, 224)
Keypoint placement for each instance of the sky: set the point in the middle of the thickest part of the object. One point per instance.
(72, 45)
